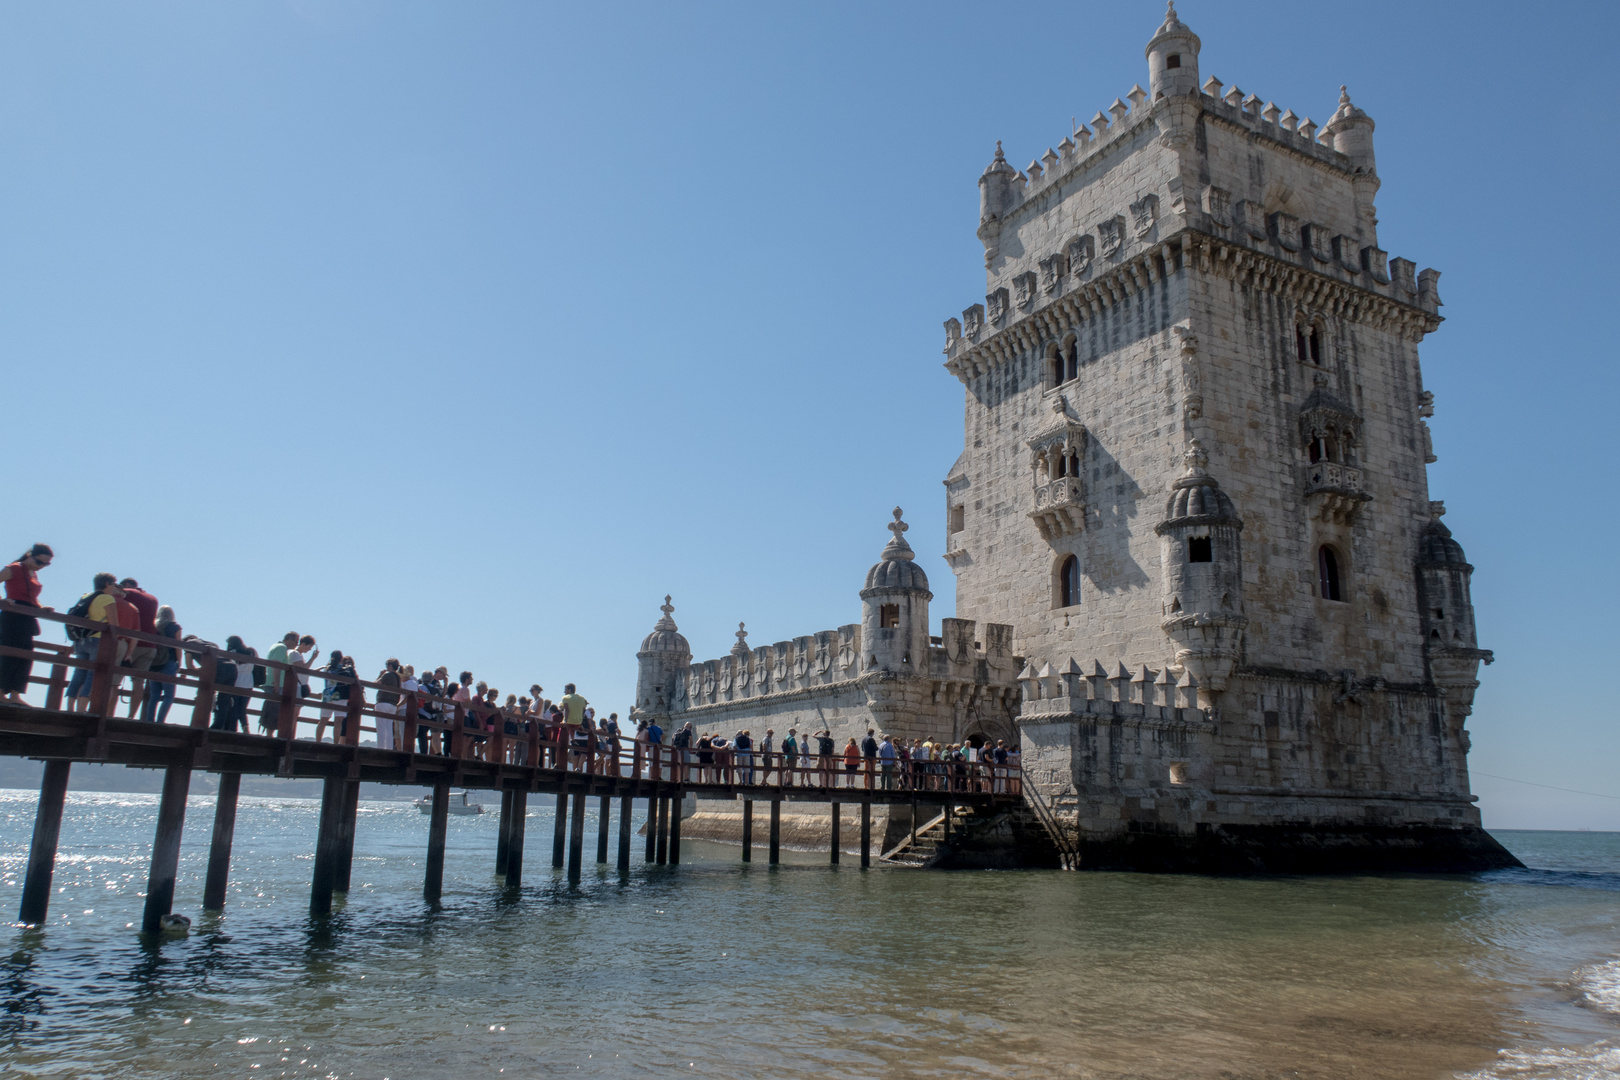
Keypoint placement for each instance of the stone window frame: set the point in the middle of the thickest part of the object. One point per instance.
(1332, 573)
(1062, 589)
(1306, 324)
(1061, 361)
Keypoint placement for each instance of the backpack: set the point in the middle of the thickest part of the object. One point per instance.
(259, 674)
(81, 610)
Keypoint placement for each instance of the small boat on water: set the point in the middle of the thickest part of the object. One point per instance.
(459, 805)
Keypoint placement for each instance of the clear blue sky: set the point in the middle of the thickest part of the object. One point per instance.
(465, 332)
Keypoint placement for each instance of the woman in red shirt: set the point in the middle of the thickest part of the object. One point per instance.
(17, 630)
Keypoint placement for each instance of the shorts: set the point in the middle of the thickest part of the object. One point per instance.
(145, 658)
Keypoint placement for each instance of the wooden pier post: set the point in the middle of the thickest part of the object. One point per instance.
(604, 818)
(346, 824)
(835, 823)
(576, 837)
(514, 838)
(675, 804)
(36, 896)
(503, 834)
(866, 835)
(433, 879)
(748, 830)
(559, 832)
(166, 847)
(776, 831)
(662, 827)
(624, 833)
(219, 852)
(327, 842)
(652, 828)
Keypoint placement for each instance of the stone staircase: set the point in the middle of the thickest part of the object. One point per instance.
(930, 838)
(985, 837)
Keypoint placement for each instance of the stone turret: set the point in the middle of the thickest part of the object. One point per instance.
(995, 195)
(662, 659)
(894, 609)
(1451, 645)
(1172, 58)
(1201, 555)
(1351, 130)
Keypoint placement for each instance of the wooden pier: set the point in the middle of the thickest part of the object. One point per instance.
(462, 751)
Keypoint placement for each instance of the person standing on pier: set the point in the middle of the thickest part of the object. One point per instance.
(102, 608)
(852, 761)
(145, 606)
(790, 756)
(270, 711)
(655, 743)
(236, 705)
(18, 631)
(824, 756)
(387, 704)
(573, 707)
(160, 694)
(886, 758)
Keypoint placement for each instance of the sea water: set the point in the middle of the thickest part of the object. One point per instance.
(719, 969)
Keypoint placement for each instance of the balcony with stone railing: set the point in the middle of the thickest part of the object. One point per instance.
(1334, 491)
(1060, 508)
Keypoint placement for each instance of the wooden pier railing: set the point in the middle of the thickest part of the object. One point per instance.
(441, 743)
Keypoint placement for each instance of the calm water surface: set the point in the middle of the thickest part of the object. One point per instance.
(716, 969)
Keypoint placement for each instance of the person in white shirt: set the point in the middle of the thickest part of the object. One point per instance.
(303, 656)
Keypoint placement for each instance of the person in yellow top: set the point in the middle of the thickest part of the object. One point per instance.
(103, 609)
(573, 707)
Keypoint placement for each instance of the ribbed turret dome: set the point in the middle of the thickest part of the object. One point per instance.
(898, 568)
(1196, 499)
(1436, 546)
(665, 638)
(1199, 497)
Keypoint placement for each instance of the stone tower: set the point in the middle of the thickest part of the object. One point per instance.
(660, 664)
(894, 608)
(1194, 480)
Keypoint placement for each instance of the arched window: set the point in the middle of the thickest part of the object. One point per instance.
(1071, 359)
(1055, 366)
(1069, 582)
(889, 616)
(1300, 348)
(1314, 344)
(1074, 464)
(1327, 573)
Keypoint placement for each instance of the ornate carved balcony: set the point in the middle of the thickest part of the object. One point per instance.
(1059, 507)
(1334, 492)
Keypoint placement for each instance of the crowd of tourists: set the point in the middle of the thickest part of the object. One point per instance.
(568, 728)
(238, 670)
(814, 759)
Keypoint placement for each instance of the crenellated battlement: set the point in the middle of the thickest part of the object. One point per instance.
(1139, 693)
(825, 658)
